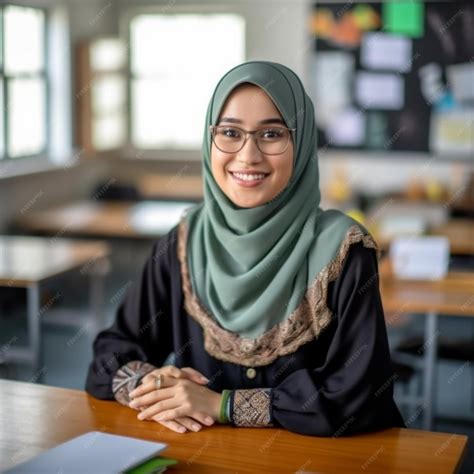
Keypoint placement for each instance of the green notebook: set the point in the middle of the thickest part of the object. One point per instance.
(152, 466)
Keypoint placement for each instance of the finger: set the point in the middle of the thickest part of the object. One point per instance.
(173, 425)
(172, 371)
(189, 423)
(152, 397)
(195, 375)
(157, 408)
(181, 411)
(166, 381)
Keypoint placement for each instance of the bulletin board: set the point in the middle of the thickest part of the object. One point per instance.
(394, 76)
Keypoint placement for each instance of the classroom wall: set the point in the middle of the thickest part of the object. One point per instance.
(276, 31)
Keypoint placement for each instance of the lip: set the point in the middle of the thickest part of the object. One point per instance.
(248, 184)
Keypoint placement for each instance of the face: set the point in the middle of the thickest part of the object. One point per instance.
(250, 108)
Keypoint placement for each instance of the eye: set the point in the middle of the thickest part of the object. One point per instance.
(271, 133)
(230, 132)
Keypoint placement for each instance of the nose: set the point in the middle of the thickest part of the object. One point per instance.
(250, 152)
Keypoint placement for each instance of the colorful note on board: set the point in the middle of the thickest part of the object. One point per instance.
(404, 17)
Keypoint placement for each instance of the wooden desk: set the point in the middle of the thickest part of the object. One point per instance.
(450, 296)
(28, 262)
(104, 219)
(178, 185)
(460, 233)
(39, 417)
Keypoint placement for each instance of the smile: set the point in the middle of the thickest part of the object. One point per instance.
(249, 179)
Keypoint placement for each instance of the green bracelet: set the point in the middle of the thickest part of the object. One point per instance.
(223, 407)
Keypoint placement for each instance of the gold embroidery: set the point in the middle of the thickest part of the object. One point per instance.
(251, 408)
(303, 325)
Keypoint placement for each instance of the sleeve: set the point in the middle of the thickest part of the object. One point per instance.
(353, 390)
(140, 338)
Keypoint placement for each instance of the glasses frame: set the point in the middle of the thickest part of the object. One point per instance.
(250, 133)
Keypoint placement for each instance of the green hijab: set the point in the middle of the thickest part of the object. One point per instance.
(250, 267)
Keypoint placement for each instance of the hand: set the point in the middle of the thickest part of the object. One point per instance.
(181, 424)
(175, 399)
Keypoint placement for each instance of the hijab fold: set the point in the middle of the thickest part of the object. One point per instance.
(250, 267)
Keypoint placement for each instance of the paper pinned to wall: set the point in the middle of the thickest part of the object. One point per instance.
(347, 129)
(405, 17)
(379, 90)
(332, 76)
(461, 80)
(452, 132)
(384, 51)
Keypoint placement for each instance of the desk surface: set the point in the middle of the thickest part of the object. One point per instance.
(39, 417)
(142, 220)
(452, 295)
(26, 260)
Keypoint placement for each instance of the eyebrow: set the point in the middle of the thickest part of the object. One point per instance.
(262, 122)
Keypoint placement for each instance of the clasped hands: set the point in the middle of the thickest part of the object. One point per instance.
(183, 402)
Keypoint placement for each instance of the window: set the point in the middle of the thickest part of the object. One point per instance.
(23, 84)
(175, 62)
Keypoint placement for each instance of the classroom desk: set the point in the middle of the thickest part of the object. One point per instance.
(39, 417)
(450, 296)
(153, 186)
(29, 262)
(460, 233)
(130, 220)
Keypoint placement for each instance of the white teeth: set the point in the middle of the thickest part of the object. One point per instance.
(249, 177)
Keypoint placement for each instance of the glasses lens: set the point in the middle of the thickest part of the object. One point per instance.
(273, 141)
(228, 139)
(270, 141)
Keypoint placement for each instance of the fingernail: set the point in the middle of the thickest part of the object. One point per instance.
(209, 420)
(196, 427)
(205, 379)
(140, 416)
(181, 429)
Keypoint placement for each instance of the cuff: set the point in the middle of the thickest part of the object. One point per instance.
(251, 407)
(127, 378)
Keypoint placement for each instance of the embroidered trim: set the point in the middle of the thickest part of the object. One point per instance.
(251, 407)
(303, 325)
(127, 378)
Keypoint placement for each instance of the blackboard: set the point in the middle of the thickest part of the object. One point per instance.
(436, 115)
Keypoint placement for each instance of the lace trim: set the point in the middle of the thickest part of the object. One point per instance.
(251, 407)
(303, 325)
(127, 378)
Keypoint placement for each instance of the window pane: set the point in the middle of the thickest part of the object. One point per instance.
(165, 51)
(24, 40)
(108, 132)
(108, 93)
(26, 117)
(107, 55)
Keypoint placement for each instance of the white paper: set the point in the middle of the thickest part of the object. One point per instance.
(348, 128)
(379, 91)
(461, 80)
(92, 452)
(384, 51)
(157, 218)
(332, 74)
(452, 132)
(420, 258)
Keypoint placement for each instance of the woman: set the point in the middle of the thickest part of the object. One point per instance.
(269, 305)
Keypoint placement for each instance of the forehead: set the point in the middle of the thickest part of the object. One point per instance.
(249, 102)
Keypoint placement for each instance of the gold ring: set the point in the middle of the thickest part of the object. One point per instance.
(158, 381)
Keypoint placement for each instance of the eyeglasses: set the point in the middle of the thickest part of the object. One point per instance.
(269, 140)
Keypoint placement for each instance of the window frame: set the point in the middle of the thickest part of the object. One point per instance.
(42, 155)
